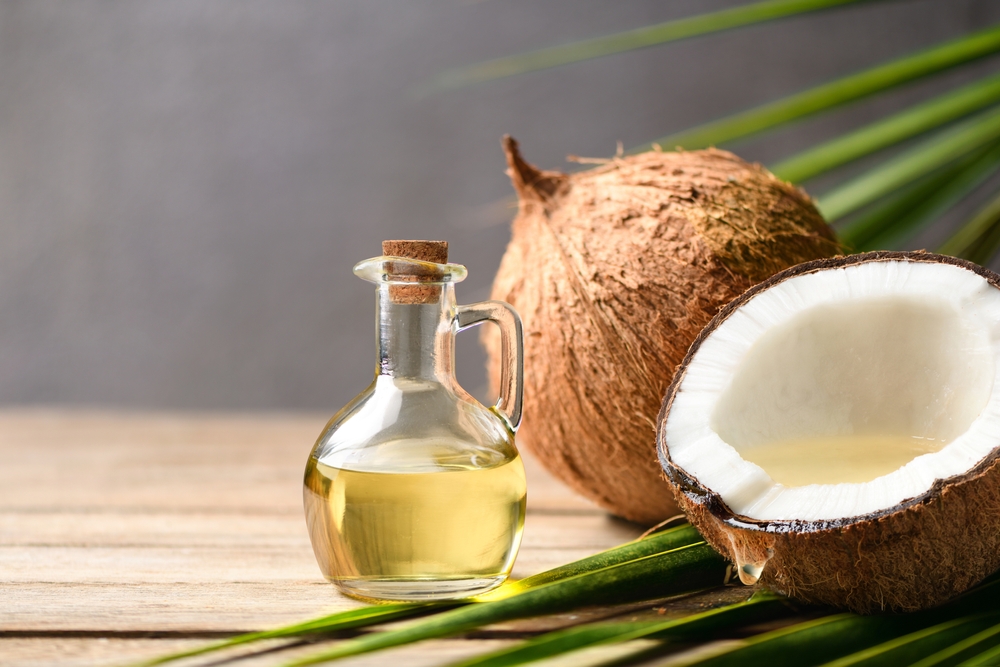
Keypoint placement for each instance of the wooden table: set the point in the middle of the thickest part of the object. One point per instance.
(125, 536)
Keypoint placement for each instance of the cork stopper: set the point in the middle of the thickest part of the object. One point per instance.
(425, 251)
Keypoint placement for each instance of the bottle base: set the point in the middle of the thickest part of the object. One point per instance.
(418, 590)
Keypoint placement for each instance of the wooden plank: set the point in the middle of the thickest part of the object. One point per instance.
(138, 524)
(155, 588)
(240, 607)
(105, 652)
(106, 565)
(224, 529)
(73, 461)
(66, 460)
(231, 607)
(83, 652)
(117, 565)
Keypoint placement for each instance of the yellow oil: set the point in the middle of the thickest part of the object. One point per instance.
(837, 459)
(448, 532)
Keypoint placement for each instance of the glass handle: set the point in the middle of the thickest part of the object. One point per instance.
(511, 352)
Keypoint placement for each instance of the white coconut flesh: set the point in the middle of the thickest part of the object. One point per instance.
(857, 387)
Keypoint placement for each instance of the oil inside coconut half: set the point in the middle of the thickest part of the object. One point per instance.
(839, 458)
(842, 392)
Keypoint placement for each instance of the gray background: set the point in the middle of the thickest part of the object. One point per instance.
(185, 185)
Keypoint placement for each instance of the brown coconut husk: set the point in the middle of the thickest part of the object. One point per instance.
(614, 271)
(916, 555)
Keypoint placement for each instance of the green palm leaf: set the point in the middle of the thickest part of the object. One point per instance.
(817, 641)
(978, 239)
(885, 225)
(347, 620)
(864, 228)
(761, 607)
(809, 642)
(969, 647)
(840, 91)
(988, 658)
(911, 165)
(660, 33)
(889, 131)
(656, 543)
(916, 645)
(686, 569)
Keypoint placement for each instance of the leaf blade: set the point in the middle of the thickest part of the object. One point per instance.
(987, 658)
(666, 540)
(693, 567)
(968, 240)
(355, 618)
(935, 196)
(916, 645)
(629, 40)
(843, 634)
(861, 230)
(910, 165)
(759, 607)
(837, 92)
(969, 647)
(888, 131)
(801, 643)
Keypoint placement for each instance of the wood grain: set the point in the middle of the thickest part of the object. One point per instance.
(182, 527)
(226, 529)
(73, 461)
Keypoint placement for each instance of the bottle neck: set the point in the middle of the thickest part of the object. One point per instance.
(416, 340)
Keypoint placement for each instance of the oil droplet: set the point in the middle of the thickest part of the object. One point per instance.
(749, 565)
(750, 572)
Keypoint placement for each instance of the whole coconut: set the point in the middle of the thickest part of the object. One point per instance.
(615, 271)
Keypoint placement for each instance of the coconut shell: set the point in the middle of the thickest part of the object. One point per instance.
(919, 554)
(614, 271)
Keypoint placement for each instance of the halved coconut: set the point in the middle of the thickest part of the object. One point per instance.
(835, 430)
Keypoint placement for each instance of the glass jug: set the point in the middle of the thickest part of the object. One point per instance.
(415, 490)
